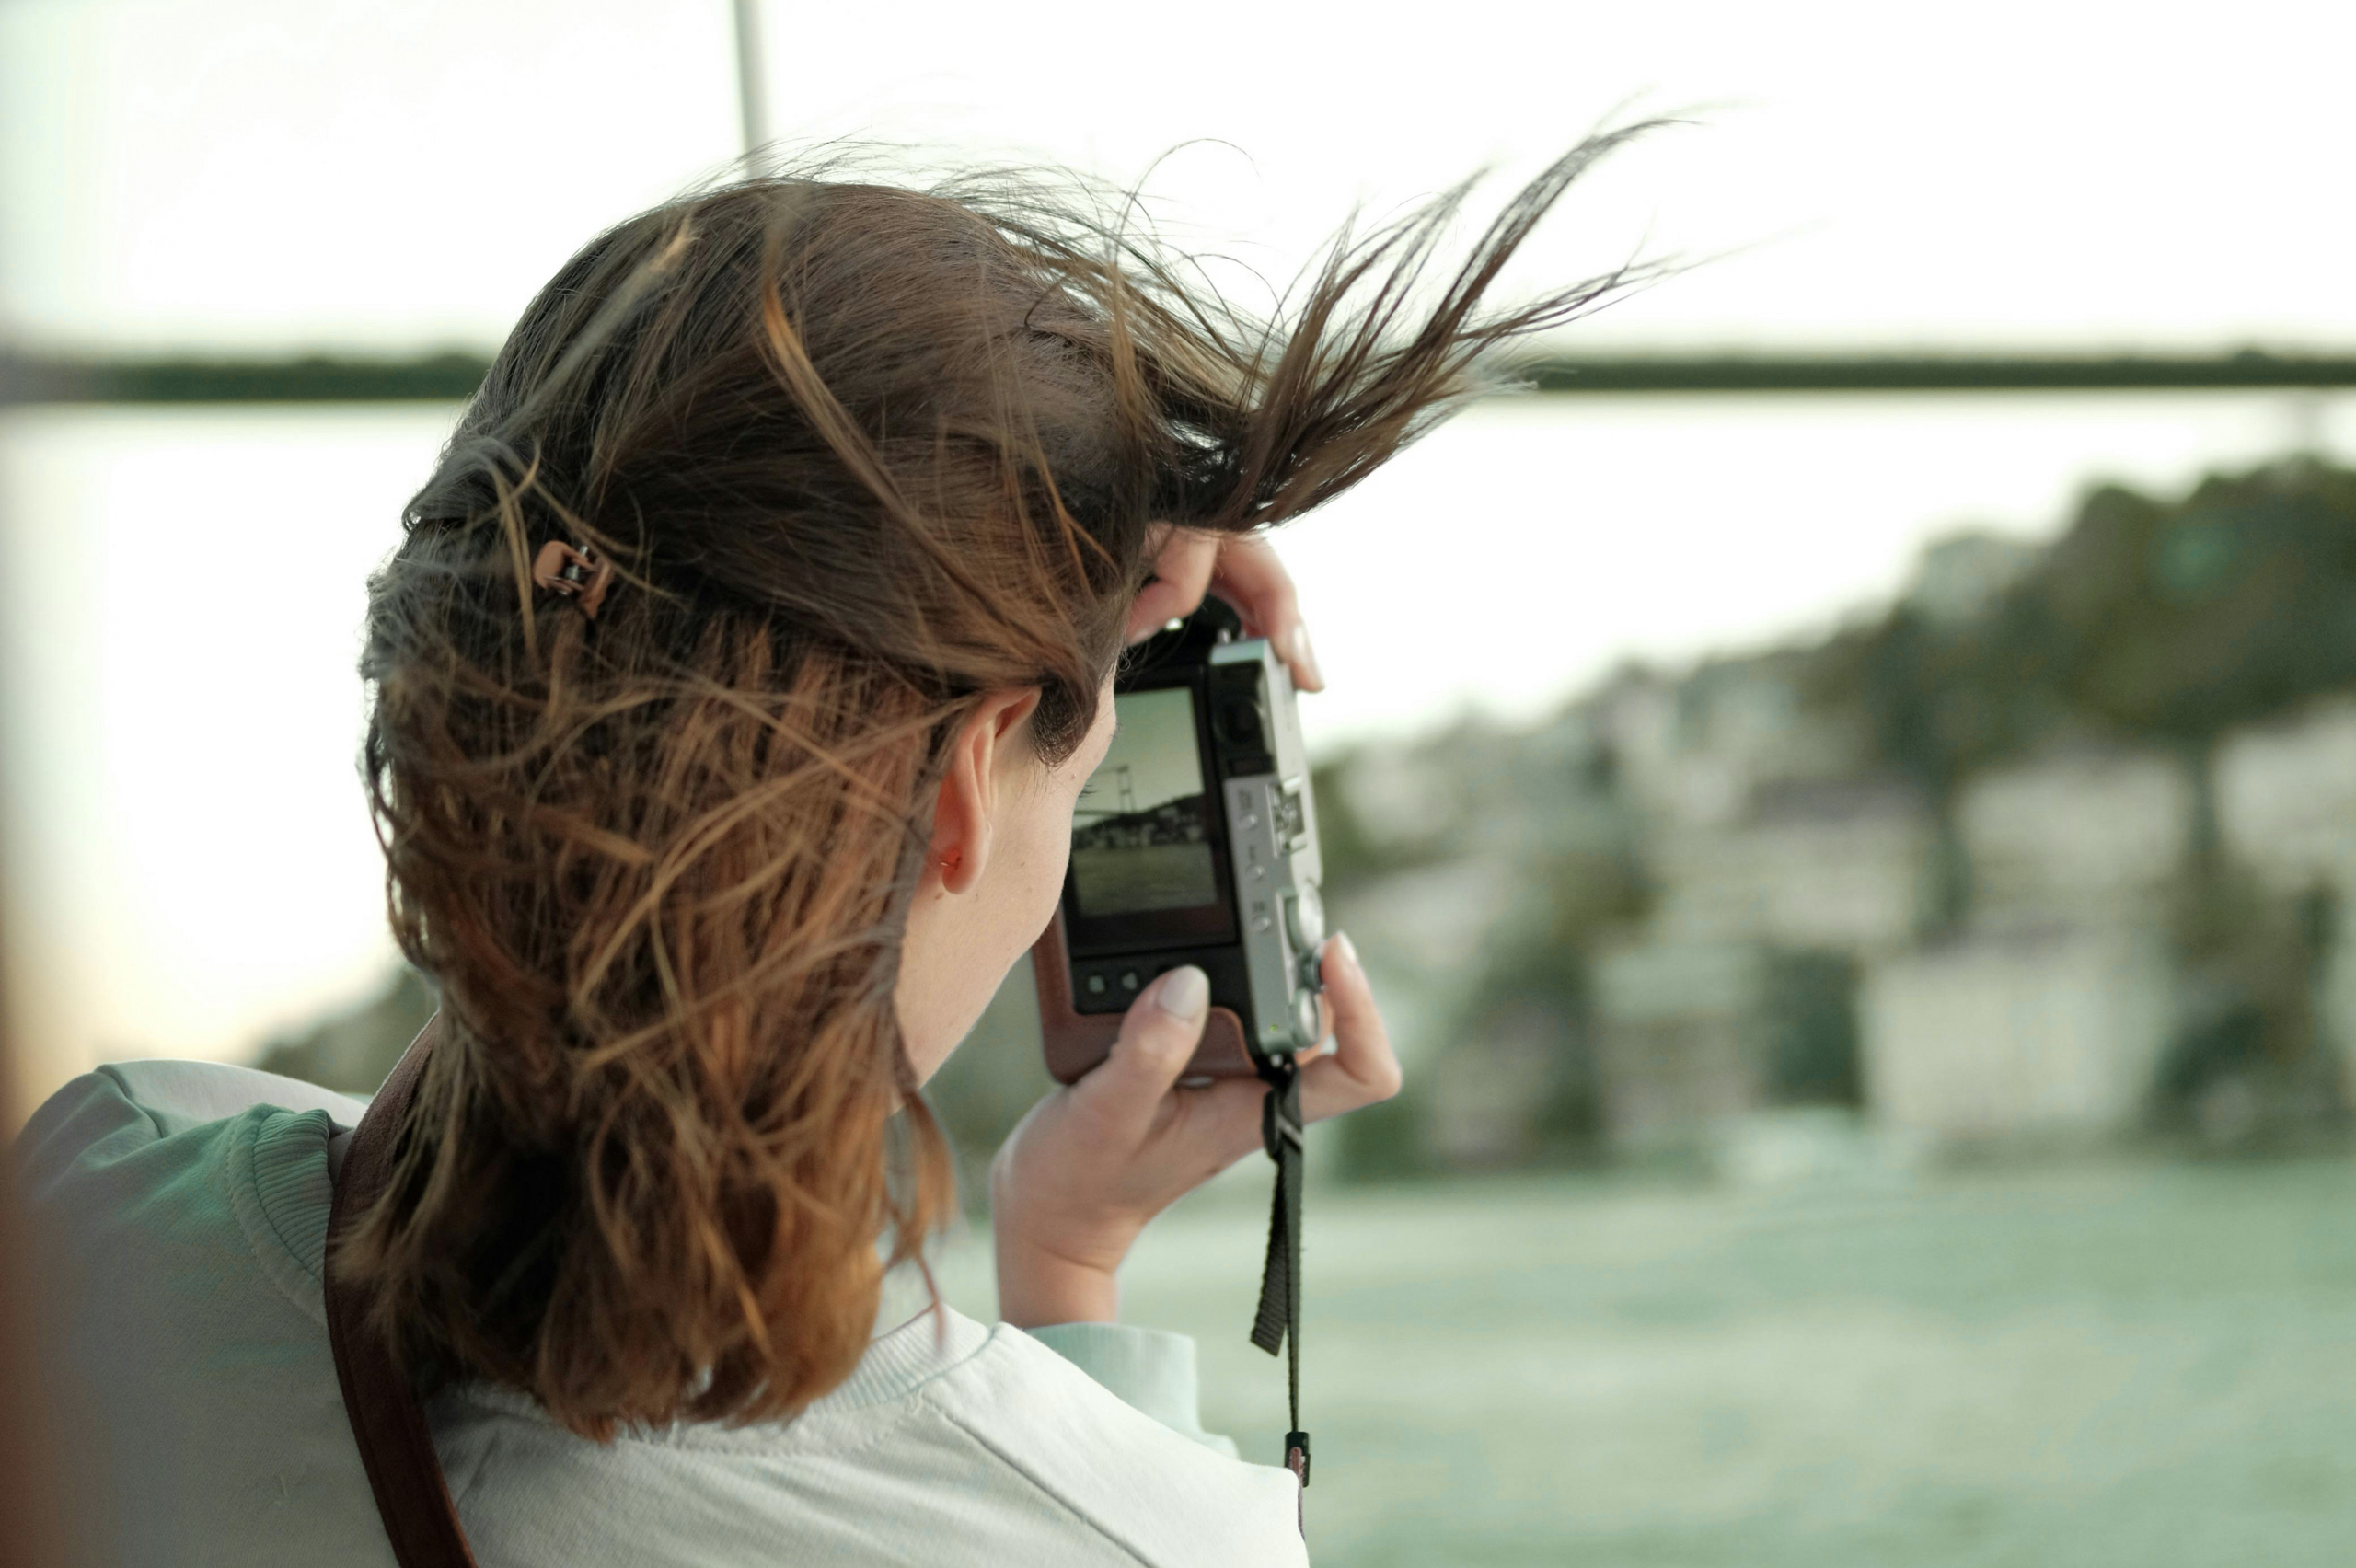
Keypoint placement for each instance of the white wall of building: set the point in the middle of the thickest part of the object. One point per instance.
(2023, 1033)
(2074, 836)
(2286, 799)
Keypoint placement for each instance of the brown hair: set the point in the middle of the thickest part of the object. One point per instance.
(858, 454)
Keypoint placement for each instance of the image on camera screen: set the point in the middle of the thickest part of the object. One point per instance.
(1141, 834)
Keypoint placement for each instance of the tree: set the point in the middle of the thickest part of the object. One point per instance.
(2167, 625)
(1941, 701)
(2179, 623)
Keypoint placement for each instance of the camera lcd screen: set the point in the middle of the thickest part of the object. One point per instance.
(1141, 833)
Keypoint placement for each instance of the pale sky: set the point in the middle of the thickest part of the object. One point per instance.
(277, 173)
(191, 865)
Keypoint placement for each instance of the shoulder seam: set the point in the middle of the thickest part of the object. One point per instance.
(1012, 1463)
(108, 1071)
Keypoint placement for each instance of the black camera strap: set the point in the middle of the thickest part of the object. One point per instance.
(1278, 1321)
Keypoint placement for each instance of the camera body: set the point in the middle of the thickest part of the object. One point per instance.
(1196, 842)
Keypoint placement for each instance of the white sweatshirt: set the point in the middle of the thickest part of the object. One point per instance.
(189, 1206)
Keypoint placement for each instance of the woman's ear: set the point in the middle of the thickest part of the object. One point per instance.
(989, 746)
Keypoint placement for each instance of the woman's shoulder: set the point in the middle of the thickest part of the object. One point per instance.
(158, 1163)
(184, 1206)
(952, 1439)
(193, 1200)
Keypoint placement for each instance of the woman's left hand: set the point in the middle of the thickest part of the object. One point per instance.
(1094, 1162)
(1241, 569)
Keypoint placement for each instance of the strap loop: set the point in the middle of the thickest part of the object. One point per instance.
(1277, 1325)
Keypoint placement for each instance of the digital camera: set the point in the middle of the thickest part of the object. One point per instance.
(1195, 842)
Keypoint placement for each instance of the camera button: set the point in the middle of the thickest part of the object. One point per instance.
(1307, 1021)
(1305, 919)
(1129, 981)
(1096, 985)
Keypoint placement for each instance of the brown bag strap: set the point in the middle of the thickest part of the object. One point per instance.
(387, 1422)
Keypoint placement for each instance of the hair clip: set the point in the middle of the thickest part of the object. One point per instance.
(575, 573)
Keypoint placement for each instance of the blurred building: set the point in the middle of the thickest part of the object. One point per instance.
(1997, 953)
(2085, 838)
(2286, 799)
(1678, 1040)
(1696, 1021)
(1776, 862)
(1483, 1110)
(2286, 809)
(1832, 863)
(2031, 1030)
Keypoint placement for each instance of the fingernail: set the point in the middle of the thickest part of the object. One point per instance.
(1306, 657)
(1349, 951)
(1184, 993)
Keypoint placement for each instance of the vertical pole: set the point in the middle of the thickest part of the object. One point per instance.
(752, 99)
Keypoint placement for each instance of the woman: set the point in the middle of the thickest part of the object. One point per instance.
(732, 688)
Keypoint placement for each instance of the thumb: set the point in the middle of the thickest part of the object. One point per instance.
(1158, 1039)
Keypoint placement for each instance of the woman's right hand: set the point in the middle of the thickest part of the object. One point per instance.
(1094, 1161)
(1243, 570)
